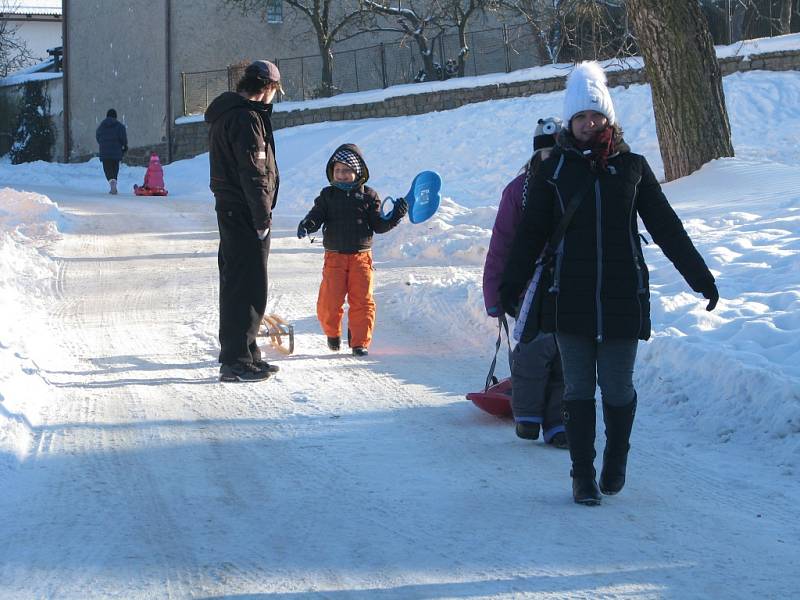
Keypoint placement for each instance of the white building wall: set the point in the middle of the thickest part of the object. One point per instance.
(116, 59)
(39, 36)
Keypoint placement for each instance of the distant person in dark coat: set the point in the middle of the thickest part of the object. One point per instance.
(245, 181)
(113, 140)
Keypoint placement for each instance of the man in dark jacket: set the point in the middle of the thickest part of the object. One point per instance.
(244, 180)
(112, 137)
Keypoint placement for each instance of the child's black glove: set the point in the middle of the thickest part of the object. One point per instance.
(305, 227)
(400, 209)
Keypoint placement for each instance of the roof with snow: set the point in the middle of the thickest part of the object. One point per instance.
(38, 72)
(33, 7)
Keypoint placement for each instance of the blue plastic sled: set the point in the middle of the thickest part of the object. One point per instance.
(423, 198)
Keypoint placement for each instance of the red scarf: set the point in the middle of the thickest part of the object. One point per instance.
(600, 147)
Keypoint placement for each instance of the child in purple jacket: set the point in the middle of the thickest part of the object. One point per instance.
(537, 383)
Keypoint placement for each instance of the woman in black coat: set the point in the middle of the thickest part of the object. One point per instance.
(112, 137)
(598, 298)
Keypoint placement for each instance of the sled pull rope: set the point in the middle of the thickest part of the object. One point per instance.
(501, 324)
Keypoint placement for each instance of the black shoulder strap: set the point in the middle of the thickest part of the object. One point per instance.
(502, 324)
(569, 212)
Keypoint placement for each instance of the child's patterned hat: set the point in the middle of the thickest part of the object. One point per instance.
(349, 158)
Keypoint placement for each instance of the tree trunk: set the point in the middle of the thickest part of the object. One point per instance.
(785, 17)
(427, 56)
(686, 82)
(463, 50)
(327, 72)
(324, 43)
(740, 21)
(414, 30)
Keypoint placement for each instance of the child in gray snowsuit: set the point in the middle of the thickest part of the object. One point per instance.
(537, 383)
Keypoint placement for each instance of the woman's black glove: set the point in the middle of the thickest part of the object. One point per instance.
(710, 293)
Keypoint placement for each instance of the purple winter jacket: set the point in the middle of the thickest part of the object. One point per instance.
(509, 215)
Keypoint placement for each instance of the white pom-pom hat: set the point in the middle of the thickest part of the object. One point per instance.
(586, 90)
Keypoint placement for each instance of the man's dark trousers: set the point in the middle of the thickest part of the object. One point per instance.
(110, 168)
(243, 282)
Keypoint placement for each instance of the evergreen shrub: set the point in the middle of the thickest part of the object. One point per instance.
(35, 135)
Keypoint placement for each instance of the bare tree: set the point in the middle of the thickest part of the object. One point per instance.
(688, 100)
(745, 19)
(596, 29)
(776, 16)
(416, 20)
(458, 13)
(424, 21)
(14, 52)
(575, 29)
(718, 23)
(545, 21)
(332, 21)
(785, 16)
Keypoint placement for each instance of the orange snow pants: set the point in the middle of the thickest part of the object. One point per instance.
(347, 275)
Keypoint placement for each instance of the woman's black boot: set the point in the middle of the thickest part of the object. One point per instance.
(579, 422)
(619, 422)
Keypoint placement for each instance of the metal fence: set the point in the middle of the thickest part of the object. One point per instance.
(373, 67)
(201, 87)
(503, 49)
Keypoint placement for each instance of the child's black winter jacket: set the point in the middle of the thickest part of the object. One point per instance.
(348, 218)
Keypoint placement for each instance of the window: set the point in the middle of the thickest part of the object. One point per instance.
(274, 11)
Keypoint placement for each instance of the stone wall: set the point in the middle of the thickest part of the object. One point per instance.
(191, 139)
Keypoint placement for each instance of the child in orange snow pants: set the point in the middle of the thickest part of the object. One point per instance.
(349, 213)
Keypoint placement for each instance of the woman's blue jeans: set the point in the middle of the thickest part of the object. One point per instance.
(587, 363)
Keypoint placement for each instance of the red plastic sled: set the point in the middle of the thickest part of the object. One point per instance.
(141, 190)
(496, 400)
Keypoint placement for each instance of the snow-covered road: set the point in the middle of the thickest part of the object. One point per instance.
(339, 477)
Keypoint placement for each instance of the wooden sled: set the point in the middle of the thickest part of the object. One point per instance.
(281, 333)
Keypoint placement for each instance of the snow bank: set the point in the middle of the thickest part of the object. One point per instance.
(735, 372)
(28, 223)
(32, 215)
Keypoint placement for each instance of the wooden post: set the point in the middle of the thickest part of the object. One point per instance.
(355, 68)
(505, 48)
(183, 87)
(383, 65)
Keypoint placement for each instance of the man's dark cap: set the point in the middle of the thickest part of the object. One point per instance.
(263, 69)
